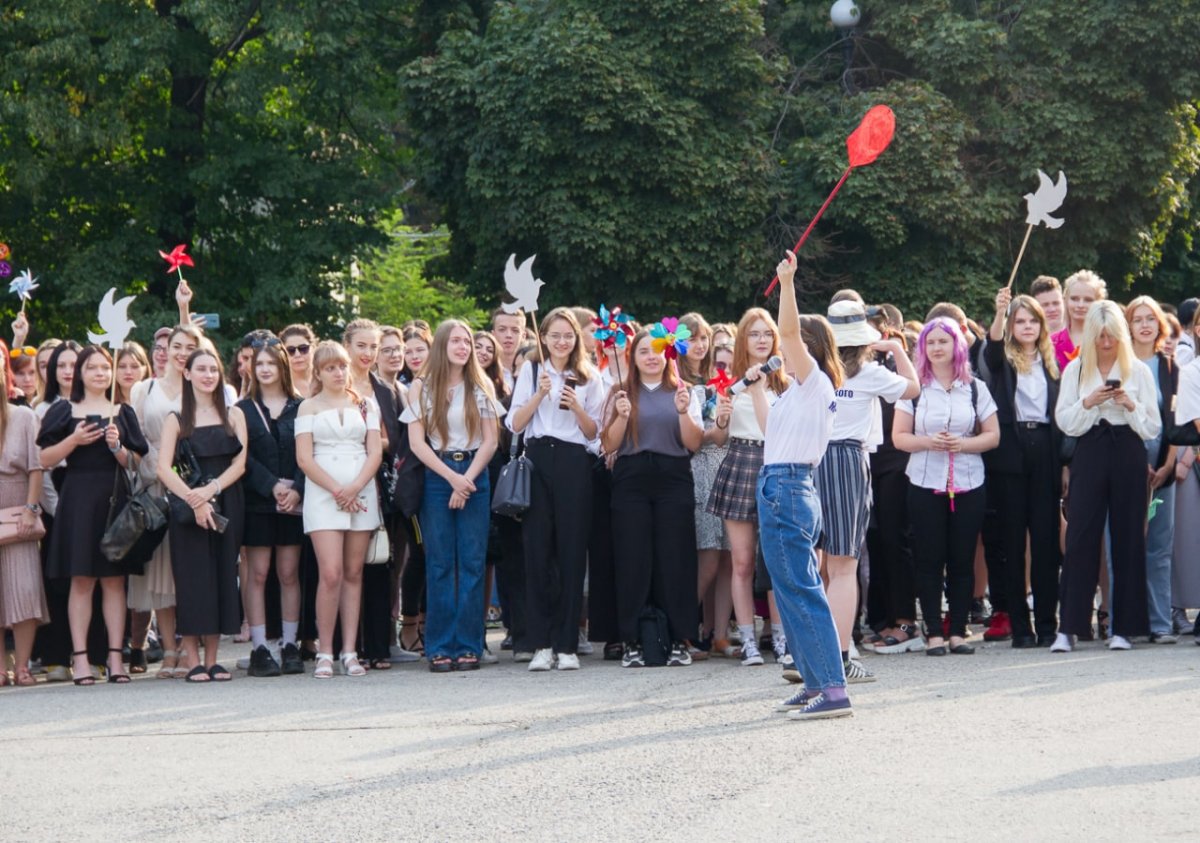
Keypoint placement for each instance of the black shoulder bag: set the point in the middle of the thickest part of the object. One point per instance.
(134, 533)
(511, 496)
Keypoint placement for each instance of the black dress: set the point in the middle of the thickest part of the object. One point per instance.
(204, 562)
(270, 457)
(85, 492)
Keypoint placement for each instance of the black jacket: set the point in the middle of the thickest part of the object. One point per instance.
(1168, 385)
(1007, 457)
(410, 474)
(270, 453)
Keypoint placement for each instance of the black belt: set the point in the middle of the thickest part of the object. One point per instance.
(457, 456)
(753, 443)
(1032, 425)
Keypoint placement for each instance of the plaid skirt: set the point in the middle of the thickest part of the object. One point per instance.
(735, 487)
(843, 481)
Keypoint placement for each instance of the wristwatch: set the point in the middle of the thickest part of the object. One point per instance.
(35, 508)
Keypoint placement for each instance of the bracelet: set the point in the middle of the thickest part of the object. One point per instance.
(722, 426)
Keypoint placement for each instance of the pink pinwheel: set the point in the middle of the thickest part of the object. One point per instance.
(5, 269)
(176, 259)
(612, 328)
(669, 338)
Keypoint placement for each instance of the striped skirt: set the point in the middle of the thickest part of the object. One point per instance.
(843, 481)
(735, 488)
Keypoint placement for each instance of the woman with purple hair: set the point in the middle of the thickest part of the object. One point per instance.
(945, 429)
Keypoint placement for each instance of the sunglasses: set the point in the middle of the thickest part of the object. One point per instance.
(298, 349)
(269, 342)
(23, 351)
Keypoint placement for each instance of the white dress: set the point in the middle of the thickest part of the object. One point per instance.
(156, 589)
(339, 447)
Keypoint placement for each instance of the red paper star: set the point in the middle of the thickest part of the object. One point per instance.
(177, 258)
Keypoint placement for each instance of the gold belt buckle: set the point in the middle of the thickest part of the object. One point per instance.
(458, 456)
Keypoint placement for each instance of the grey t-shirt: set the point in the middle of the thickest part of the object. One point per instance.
(658, 424)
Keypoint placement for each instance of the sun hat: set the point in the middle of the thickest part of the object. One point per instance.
(848, 319)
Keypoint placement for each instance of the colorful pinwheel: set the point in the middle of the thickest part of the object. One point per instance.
(5, 269)
(4, 251)
(612, 328)
(176, 259)
(669, 338)
(23, 285)
(721, 382)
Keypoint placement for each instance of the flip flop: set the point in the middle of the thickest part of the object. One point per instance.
(219, 674)
(194, 675)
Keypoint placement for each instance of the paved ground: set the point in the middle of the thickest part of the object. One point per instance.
(1004, 745)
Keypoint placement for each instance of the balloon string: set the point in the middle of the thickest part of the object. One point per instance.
(813, 224)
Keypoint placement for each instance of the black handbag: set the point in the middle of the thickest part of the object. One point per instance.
(1066, 450)
(188, 469)
(134, 533)
(511, 496)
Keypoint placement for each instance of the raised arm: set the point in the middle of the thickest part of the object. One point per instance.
(796, 359)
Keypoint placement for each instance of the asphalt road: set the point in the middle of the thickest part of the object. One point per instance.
(1003, 745)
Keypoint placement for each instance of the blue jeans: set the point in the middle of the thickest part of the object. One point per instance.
(455, 550)
(789, 523)
(1160, 547)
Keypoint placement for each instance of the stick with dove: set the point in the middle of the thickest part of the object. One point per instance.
(115, 322)
(524, 289)
(1048, 199)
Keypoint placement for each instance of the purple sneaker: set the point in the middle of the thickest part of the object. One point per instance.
(821, 708)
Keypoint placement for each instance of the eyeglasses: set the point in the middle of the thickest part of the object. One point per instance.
(268, 342)
(560, 337)
(23, 351)
(391, 351)
(759, 335)
(298, 349)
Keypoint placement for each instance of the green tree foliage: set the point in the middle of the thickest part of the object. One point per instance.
(986, 93)
(393, 287)
(621, 142)
(262, 134)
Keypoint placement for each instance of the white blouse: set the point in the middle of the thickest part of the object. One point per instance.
(947, 411)
(1075, 420)
(548, 419)
(458, 439)
(743, 423)
(1032, 394)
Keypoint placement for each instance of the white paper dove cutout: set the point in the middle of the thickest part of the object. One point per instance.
(114, 319)
(521, 285)
(1049, 198)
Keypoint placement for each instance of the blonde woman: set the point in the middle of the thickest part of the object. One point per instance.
(1108, 400)
(339, 448)
(452, 429)
(1081, 290)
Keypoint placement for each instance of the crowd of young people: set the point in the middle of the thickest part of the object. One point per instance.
(334, 497)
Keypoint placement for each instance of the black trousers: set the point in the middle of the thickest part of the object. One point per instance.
(556, 529)
(510, 581)
(992, 533)
(1108, 483)
(412, 577)
(310, 576)
(653, 508)
(944, 551)
(377, 629)
(1027, 505)
(52, 642)
(892, 589)
(602, 573)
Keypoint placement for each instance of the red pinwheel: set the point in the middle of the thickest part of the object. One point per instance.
(612, 328)
(176, 259)
(864, 145)
(721, 382)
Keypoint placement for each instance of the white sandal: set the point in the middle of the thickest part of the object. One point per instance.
(350, 665)
(171, 672)
(324, 669)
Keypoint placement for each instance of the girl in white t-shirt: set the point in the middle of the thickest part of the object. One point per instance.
(844, 475)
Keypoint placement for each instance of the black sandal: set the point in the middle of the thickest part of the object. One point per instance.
(219, 674)
(379, 664)
(118, 678)
(137, 660)
(467, 662)
(82, 681)
(441, 664)
(193, 676)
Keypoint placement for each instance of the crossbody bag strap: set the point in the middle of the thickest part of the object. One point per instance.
(518, 439)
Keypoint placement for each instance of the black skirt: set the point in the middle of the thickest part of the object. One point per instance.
(272, 529)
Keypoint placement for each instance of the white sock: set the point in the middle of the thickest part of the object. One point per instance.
(747, 633)
(258, 636)
(778, 635)
(290, 628)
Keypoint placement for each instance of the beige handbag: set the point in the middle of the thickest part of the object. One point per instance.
(379, 551)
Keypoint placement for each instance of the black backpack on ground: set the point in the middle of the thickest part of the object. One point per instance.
(654, 636)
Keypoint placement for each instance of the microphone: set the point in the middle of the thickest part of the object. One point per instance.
(772, 365)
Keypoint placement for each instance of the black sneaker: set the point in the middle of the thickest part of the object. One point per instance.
(632, 656)
(613, 651)
(979, 613)
(507, 643)
(679, 657)
(262, 664)
(292, 663)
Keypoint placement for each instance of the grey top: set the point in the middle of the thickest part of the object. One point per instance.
(658, 424)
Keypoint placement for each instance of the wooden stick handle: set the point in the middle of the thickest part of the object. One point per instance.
(1020, 255)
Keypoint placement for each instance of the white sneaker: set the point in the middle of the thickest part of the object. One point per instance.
(522, 656)
(751, 657)
(1119, 642)
(243, 663)
(584, 647)
(487, 657)
(399, 655)
(542, 660)
(1062, 643)
(566, 661)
